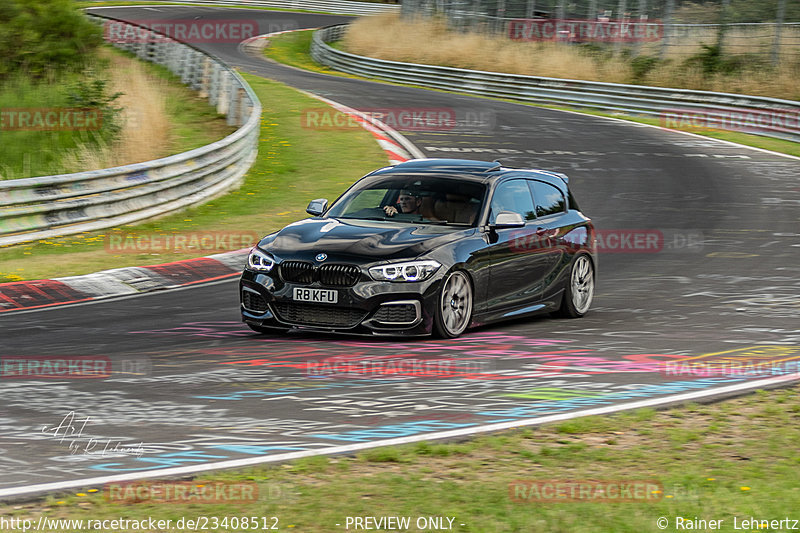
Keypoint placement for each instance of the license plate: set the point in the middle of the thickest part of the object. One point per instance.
(323, 296)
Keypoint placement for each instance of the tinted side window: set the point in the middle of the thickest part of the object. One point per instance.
(549, 199)
(513, 196)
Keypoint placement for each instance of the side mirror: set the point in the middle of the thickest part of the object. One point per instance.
(508, 219)
(317, 207)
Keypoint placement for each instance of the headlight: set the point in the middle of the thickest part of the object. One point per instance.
(411, 271)
(258, 260)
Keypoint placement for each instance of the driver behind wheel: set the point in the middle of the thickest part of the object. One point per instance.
(409, 203)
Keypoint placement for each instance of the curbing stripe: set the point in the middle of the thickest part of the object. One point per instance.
(36, 294)
(398, 149)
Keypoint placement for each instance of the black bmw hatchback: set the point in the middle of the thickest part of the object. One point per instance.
(426, 246)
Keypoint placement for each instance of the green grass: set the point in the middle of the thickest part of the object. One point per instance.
(26, 153)
(194, 121)
(294, 49)
(748, 470)
(294, 165)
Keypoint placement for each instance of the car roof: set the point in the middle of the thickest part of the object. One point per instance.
(472, 170)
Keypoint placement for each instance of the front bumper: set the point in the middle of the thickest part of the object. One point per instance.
(367, 308)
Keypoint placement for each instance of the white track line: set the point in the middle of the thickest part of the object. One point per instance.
(465, 432)
(697, 135)
(366, 121)
(397, 148)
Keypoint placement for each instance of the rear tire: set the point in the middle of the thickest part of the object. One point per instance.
(453, 306)
(579, 289)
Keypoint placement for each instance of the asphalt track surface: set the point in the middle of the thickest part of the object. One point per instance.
(193, 389)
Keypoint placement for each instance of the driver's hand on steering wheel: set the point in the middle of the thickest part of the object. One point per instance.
(390, 210)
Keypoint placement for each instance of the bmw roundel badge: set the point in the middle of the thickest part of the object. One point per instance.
(321, 257)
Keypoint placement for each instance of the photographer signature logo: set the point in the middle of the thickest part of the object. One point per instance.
(71, 430)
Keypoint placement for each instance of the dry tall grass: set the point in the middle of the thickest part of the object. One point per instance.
(146, 127)
(429, 41)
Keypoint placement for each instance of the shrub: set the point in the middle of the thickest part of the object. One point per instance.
(712, 61)
(641, 66)
(92, 94)
(40, 36)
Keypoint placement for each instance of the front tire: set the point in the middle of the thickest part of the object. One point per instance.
(454, 306)
(579, 290)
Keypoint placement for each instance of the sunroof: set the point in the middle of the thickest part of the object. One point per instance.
(465, 165)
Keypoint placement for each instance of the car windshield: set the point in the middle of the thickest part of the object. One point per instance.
(413, 199)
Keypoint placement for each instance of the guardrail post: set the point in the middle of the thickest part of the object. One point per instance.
(222, 92)
(195, 66)
(141, 45)
(160, 52)
(477, 14)
(637, 47)
(406, 9)
(186, 69)
(205, 78)
(232, 103)
(200, 73)
(243, 105)
(122, 44)
(621, 18)
(776, 46)
(176, 58)
(723, 24)
(500, 18)
(251, 105)
(666, 29)
(150, 51)
(171, 53)
(130, 44)
(196, 63)
(213, 96)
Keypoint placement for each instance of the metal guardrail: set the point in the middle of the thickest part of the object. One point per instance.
(50, 206)
(770, 117)
(341, 7)
(675, 32)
